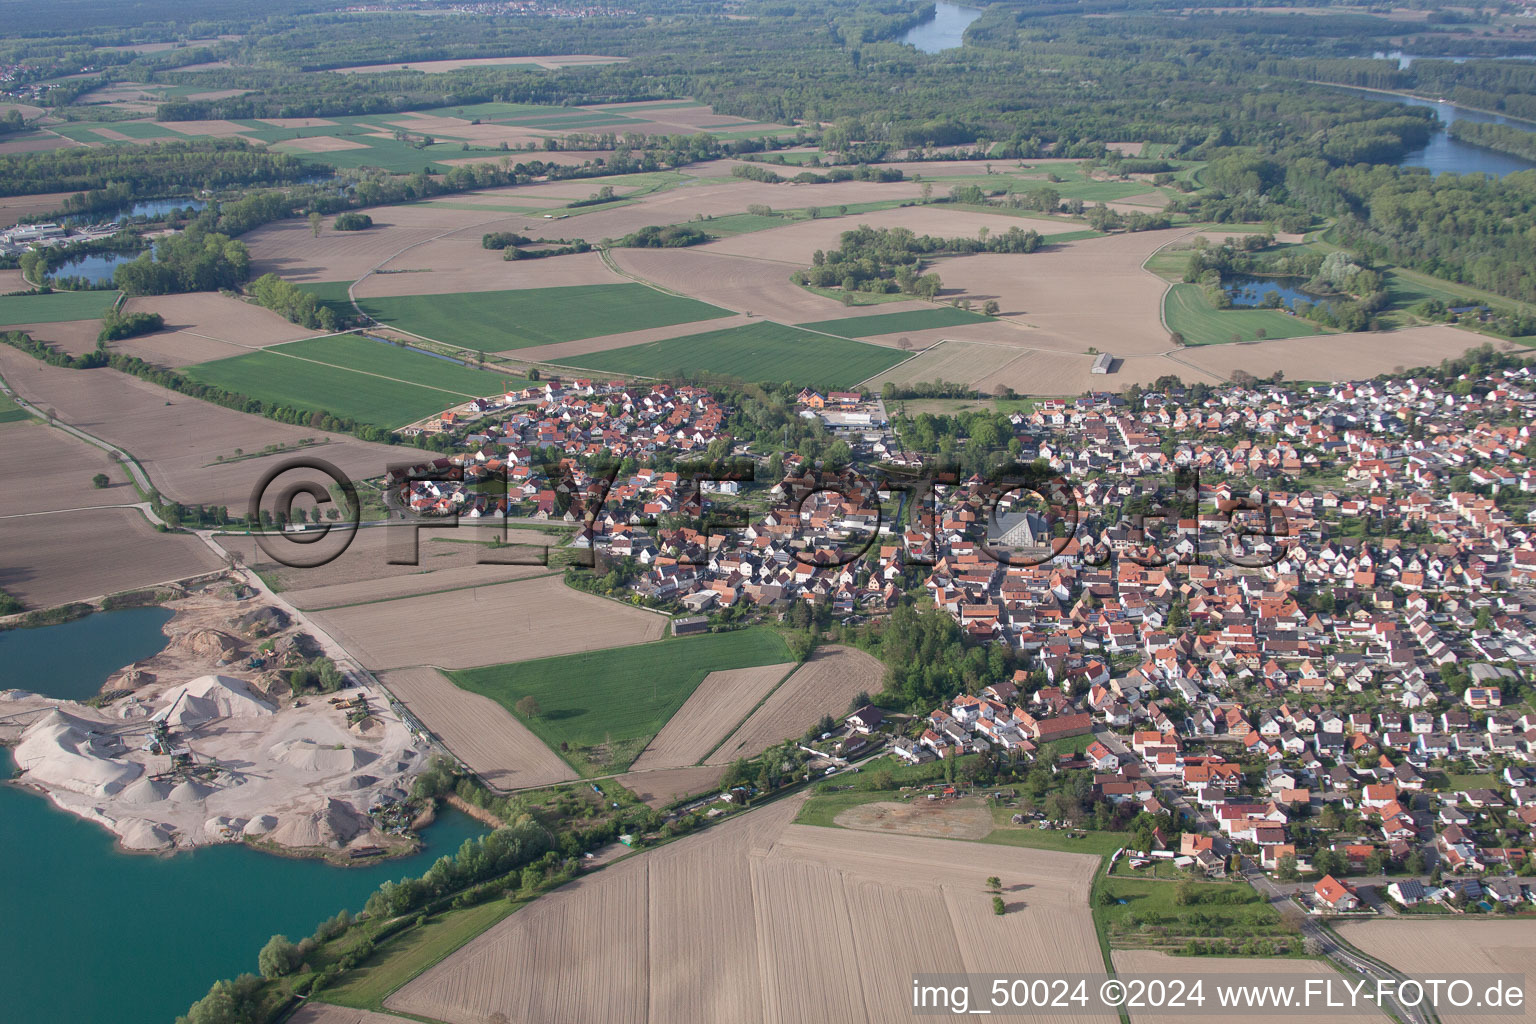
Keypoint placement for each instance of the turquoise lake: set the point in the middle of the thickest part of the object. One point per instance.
(73, 660)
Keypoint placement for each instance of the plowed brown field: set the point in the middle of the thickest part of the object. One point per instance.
(710, 712)
(516, 621)
(759, 921)
(829, 679)
(480, 732)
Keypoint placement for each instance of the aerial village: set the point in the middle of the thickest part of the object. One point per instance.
(1293, 705)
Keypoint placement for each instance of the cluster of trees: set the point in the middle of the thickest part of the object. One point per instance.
(670, 236)
(106, 176)
(352, 221)
(194, 260)
(863, 172)
(566, 248)
(293, 303)
(891, 259)
(116, 326)
(927, 659)
(1355, 292)
(320, 674)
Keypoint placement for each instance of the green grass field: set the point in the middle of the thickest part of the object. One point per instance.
(10, 412)
(620, 697)
(500, 321)
(350, 376)
(891, 323)
(763, 351)
(54, 307)
(332, 294)
(1189, 312)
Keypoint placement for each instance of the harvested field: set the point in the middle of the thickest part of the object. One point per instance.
(1341, 356)
(71, 556)
(47, 470)
(953, 361)
(875, 324)
(434, 67)
(461, 577)
(754, 921)
(1150, 963)
(215, 318)
(660, 788)
(12, 281)
(794, 243)
(179, 440)
(1046, 373)
(460, 264)
(722, 700)
(1077, 294)
(919, 818)
(324, 1013)
(734, 282)
(480, 732)
(290, 249)
(527, 619)
(365, 563)
(571, 351)
(323, 144)
(1440, 949)
(30, 142)
(13, 208)
(77, 337)
(828, 680)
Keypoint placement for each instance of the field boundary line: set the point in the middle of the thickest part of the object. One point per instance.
(703, 762)
(424, 593)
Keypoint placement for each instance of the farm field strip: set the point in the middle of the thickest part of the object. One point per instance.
(708, 715)
(478, 731)
(824, 684)
(760, 920)
(533, 618)
(892, 323)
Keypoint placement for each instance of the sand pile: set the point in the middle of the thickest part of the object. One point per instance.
(143, 791)
(139, 834)
(208, 643)
(311, 756)
(207, 698)
(64, 751)
(260, 825)
(332, 824)
(189, 791)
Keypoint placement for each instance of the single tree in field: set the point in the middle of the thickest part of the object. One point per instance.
(991, 307)
(529, 707)
(994, 883)
(998, 906)
(100, 480)
(314, 222)
(904, 343)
